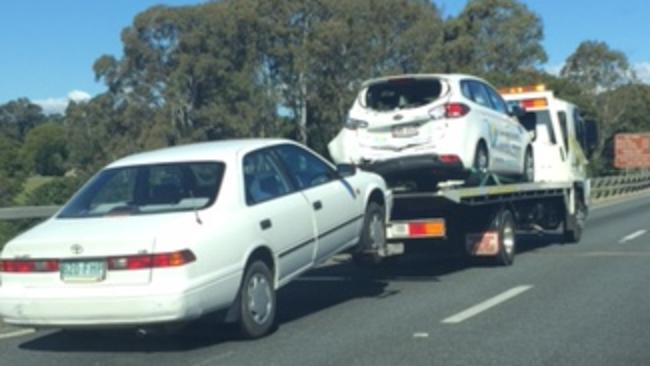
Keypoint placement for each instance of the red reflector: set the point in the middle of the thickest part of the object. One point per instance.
(456, 110)
(427, 229)
(160, 260)
(449, 159)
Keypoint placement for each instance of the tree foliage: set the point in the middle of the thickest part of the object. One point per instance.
(19, 116)
(595, 67)
(45, 150)
(277, 68)
(489, 36)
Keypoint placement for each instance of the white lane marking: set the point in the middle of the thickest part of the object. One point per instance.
(632, 236)
(421, 335)
(211, 360)
(17, 333)
(321, 278)
(487, 304)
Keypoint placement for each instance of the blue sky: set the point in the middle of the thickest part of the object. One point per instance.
(49, 47)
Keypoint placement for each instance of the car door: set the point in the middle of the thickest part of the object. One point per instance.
(512, 133)
(279, 213)
(487, 116)
(335, 203)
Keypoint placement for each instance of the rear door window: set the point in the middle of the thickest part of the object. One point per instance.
(305, 168)
(263, 179)
(476, 92)
(497, 101)
(396, 94)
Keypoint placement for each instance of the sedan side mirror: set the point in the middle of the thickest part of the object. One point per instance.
(592, 137)
(346, 170)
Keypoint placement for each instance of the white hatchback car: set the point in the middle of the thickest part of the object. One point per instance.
(433, 125)
(178, 233)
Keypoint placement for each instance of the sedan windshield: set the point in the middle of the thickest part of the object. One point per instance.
(404, 93)
(147, 189)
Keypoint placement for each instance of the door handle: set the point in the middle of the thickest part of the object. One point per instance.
(266, 224)
(318, 205)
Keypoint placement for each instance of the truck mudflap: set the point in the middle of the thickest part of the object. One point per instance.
(484, 244)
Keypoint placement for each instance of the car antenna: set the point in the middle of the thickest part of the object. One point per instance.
(196, 211)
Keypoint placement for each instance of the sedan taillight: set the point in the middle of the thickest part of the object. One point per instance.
(28, 265)
(160, 260)
(133, 262)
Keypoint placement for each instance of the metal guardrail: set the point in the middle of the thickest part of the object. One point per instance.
(601, 188)
(617, 185)
(27, 212)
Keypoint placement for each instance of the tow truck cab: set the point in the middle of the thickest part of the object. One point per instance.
(564, 141)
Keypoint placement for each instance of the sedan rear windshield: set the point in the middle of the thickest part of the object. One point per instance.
(405, 93)
(147, 189)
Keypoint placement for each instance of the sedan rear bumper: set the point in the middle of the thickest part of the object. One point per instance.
(113, 307)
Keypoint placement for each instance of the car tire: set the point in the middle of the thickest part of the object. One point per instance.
(373, 236)
(257, 305)
(528, 175)
(481, 158)
(505, 225)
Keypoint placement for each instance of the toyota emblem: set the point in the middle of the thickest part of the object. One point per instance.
(77, 249)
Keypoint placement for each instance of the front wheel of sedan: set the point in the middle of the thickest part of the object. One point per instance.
(257, 305)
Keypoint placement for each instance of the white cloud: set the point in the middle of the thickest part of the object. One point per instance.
(53, 105)
(58, 105)
(78, 96)
(643, 71)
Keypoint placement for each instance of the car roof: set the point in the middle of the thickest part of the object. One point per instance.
(222, 150)
(421, 76)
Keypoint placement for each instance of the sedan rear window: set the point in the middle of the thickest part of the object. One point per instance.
(404, 93)
(147, 189)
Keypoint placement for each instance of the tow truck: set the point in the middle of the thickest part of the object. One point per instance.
(484, 214)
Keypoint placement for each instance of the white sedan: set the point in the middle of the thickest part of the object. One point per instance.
(433, 125)
(178, 233)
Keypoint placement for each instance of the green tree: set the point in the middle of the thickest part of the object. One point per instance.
(12, 175)
(596, 67)
(494, 36)
(44, 151)
(321, 51)
(19, 116)
(192, 74)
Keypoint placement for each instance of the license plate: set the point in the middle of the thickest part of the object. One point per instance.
(405, 131)
(83, 271)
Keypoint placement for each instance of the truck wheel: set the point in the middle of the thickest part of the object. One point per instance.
(481, 158)
(529, 166)
(373, 236)
(257, 305)
(505, 225)
(573, 224)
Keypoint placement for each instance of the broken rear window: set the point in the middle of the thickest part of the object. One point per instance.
(395, 94)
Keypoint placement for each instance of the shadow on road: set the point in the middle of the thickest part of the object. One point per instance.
(326, 287)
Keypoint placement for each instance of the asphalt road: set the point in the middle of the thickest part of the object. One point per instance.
(585, 304)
